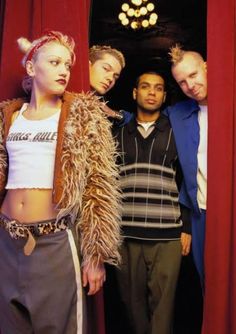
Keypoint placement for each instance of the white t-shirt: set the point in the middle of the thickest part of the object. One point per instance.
(31, 147)
(202, 158)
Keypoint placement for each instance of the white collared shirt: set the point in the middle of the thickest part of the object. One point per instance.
(145, 128)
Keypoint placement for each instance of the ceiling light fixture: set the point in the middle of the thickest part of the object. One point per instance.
(138, 14)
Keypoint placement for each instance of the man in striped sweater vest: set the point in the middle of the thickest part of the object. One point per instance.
(156, 228)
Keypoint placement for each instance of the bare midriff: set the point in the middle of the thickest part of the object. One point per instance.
(29, 205)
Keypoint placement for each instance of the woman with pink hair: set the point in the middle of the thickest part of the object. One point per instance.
(59, 196)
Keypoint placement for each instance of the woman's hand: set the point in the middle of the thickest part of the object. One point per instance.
(94, 277)
(108, 111)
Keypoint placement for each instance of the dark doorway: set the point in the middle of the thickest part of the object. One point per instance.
(182, 22)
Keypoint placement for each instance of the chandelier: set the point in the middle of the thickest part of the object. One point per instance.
(138, 14)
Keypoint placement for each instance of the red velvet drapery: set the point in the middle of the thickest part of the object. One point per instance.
(220, 252)
(29, 18)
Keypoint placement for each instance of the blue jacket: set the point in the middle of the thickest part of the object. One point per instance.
(184, 121)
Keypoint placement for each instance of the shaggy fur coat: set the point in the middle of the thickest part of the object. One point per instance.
(85, 173)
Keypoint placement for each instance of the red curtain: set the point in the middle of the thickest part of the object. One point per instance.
(29, 18)
(220, 254)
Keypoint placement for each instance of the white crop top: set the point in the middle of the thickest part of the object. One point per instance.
(31, 147)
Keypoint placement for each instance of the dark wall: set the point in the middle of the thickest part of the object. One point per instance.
(182, 21)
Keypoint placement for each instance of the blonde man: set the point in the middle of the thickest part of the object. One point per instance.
(105, 66)
(189, 122)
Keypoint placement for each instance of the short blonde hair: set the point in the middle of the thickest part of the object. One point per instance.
(177, 54)
(97, 52)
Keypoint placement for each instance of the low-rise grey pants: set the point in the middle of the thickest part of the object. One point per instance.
(40, 293)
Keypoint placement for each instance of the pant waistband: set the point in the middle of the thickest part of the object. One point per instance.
(19, 230)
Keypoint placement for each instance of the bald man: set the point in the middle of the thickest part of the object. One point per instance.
(189, 122)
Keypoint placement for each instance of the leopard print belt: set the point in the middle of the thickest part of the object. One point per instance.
(19, 230)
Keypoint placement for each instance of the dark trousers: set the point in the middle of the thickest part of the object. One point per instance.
(40, 293)
(198, 242)
(147, 282)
